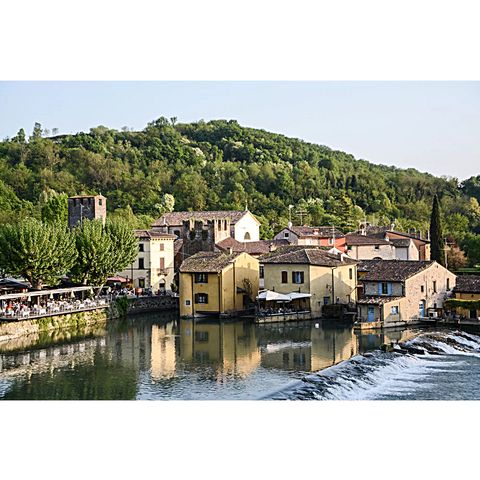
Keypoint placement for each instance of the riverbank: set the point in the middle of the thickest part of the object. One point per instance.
(13, 330)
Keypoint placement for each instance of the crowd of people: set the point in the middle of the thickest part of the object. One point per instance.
(35, 306)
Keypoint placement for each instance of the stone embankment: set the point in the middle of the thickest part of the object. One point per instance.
(119, 308)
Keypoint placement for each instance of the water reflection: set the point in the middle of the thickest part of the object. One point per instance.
(160, 357)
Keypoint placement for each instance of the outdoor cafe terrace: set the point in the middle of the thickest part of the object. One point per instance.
(47, 303)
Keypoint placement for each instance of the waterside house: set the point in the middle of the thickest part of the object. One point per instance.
(217, 283)
(394, 292)
(322, 278)
(154, 266)
(467, 288)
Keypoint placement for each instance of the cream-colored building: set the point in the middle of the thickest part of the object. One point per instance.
(329, 278)
(215, 283)
(402, 291)
(364, 247)
(153, 267)
(243, 226)
(468, 289)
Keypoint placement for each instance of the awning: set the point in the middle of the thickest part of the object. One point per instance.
(39, 293)
(117, 279)
(270, 296)
(297, 295)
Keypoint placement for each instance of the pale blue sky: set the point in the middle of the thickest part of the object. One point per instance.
(432, 126)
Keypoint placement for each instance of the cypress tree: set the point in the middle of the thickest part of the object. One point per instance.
(436, 235)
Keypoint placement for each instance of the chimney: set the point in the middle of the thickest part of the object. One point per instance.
(229, 250)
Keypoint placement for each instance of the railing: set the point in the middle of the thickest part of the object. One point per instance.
(50, 311)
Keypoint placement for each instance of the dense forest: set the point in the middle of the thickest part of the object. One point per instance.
(222, 165)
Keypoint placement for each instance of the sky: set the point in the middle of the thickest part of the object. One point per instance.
(431, 126)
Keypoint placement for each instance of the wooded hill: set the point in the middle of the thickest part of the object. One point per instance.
(222, 165)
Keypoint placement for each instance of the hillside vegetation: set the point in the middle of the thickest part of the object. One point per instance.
(222, 165)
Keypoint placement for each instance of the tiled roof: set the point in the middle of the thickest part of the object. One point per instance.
(408, 235)
(390, 270)
(177, 218)
(379, 300)
(153, 234)
(356, 239)
(400, 242)
(177, 246)
(207, 262)
(467, 284)
(306, 255)
(259, 247)
(321, 232)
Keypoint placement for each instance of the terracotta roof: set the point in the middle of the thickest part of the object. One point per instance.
(153, 234)
(208, 262)
(400, 242)
(177, 218)
(321, 232)
(259, 247)
(467, 284)
(306, 255)
(390, 270)
(86, 196)
(408, 235)
(356, 239)
(379, 300)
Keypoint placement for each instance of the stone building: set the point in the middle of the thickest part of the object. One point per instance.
(325, 236)
(402, 291)
(468, 288)
(86, 207)
(240, 225)
(365, 247)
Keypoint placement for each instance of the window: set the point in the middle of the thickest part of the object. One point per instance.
(299, 359)
(141, 247)
(176, 232)
(377, 247)
(297, 277)
(286, 358)
(286, 234)
(201, 298)
(330, 241)
(225, 225)
(349, 247)
(162, 247)
(141, 263)
(448, 284)
(326, 300)
(350, 273)
(384, 288)
(394, 310)
(422, 288)
(201, 336)
(162, 263)
(434, 286)
(187, 303)
(201, 278)
(247, 236)
(262, 271)
(284, 277)
(100, 201)
(141, 282)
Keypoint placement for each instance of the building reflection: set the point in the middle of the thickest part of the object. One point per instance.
(163, 352)
(232, 347)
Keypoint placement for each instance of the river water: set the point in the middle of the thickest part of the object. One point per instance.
(158, 357)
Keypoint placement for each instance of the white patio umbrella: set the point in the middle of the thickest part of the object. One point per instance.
(297, 295)
(269, 296)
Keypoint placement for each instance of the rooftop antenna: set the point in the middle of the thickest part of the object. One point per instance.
(333, 234)
(301, 213)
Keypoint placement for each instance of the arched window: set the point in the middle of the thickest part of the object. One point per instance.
(247, 236)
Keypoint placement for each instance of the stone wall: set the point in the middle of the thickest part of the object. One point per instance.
(12, 330)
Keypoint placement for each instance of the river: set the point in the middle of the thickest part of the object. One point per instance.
(158, 357)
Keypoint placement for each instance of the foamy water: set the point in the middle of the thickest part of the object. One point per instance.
(449, 368)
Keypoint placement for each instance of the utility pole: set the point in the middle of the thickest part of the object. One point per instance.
(301, 213)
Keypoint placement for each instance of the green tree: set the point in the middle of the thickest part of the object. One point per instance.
(102, 250)
(39, 252)
(437, 244)
(55, 208)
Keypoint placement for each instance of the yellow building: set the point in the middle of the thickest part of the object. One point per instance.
(213, 283)
(153, 267)
(327, 277)
(468, 288)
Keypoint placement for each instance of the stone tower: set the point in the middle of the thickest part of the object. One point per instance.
(199, 236)
(86, 207)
